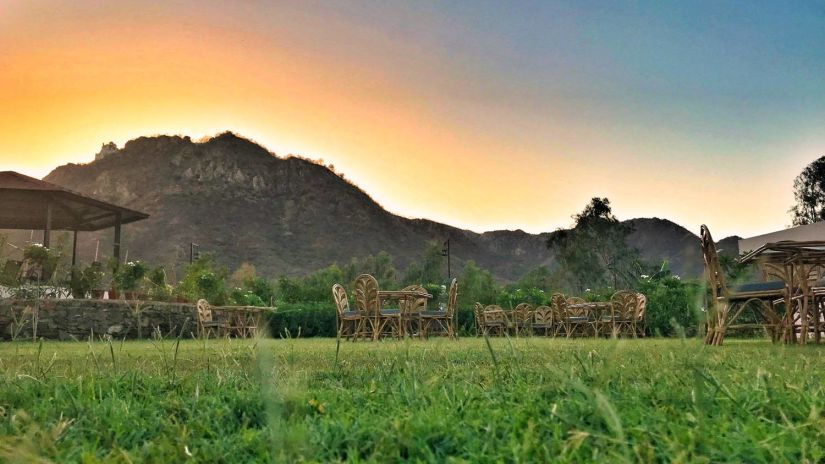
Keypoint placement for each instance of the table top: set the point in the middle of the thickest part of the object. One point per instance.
(786, 251)
(251, 309)
(392, 294)
(592, 305)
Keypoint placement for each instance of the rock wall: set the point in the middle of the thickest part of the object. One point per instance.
(78, 319)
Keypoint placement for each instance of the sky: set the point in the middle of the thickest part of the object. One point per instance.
(484, 115)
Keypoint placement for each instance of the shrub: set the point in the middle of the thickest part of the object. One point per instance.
(241, 297)
(159, 290)
(204, 279)
(671, 304)
(510, 299)
(129, 276)
(44, 257)
(305, 319)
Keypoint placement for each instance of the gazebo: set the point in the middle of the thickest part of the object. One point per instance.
(32, 204)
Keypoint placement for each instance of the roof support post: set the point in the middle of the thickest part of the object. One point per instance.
(117, 240)
(47, 232)
(74, 249)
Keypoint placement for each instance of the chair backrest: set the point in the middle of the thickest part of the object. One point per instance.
(640, 314)
(494, 314)
(478, 309)
(576, 312)
(339, 295)
(204, 311)
(625, 305)
(713, 270)
(452, 297)
(413, 305)
(366, 294)
(543, 315)
(558, 304)
(523, 312)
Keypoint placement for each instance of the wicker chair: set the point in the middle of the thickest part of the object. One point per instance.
(558, 306)
(411, 308)
(347, 320)
(578, 321)
(623, 314)
(443, 321)
(641, 327)
(522, 319)
(494, 320)
(543, 321)
(727, 305)
(478, 311)
(206, 324)
(366, 300)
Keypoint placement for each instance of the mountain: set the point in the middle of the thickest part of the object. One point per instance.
(291, 216)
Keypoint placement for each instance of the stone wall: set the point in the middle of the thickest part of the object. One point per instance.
(78, 319)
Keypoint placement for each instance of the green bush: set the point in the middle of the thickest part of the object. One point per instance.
(510, 299)
(159, 289)
(672, 305)
(316, 319)
(129, 276)
(205, 279)
(243, 297)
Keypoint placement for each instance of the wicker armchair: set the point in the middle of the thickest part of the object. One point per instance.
(366, 300)
(442, 321)
(727, 305)
(577, 322)
(494, 320)
(522, 319)
(206, 325)
(558, 306)
(624, 311)
(411, 308)
(347, 320)
(543, 321)
(478, 312)
(641, 327)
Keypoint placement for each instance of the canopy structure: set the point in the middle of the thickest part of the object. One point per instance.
(32, 204)
(806, 233)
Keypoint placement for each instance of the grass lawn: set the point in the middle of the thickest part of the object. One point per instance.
(520, 400)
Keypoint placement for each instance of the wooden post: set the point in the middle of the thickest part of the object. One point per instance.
(117, 240)
(47, 233)
(74, 249)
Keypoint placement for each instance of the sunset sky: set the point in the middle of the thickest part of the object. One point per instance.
(484, 115)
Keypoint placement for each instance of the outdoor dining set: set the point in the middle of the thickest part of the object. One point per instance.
(373, 318)
(623, 315)
(403, 313)
(789, 302)
(224, 321)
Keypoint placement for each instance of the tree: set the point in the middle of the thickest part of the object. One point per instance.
(809, 193)
(380, 266)
(429, 270)
(595, 251)
(476, 285)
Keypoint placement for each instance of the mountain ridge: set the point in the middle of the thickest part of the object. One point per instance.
(291, 215)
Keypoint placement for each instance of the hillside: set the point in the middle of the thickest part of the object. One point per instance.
(292, 216)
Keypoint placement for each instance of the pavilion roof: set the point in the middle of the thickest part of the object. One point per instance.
(24, 203)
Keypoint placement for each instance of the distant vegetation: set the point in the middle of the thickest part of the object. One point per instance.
(809, 193)
(595, 262)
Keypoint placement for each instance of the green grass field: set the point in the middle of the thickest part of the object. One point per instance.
(520, 400)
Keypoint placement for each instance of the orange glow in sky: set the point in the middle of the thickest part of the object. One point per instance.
(433, 128)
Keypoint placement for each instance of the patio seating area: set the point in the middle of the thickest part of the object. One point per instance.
(403, 313)
(392, 313)
(622, 316)
(228, 321)
(788, 303)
